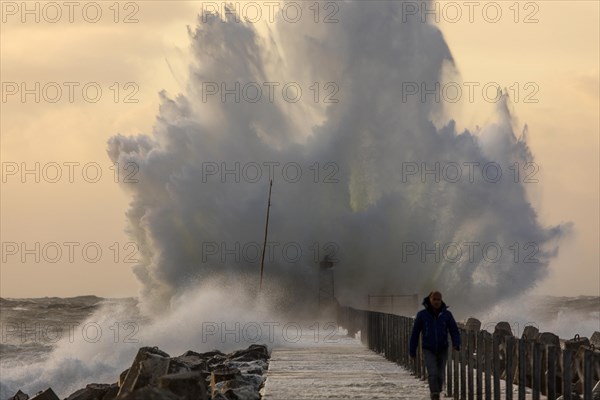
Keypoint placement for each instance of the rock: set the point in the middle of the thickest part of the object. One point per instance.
(112, 392)
(19, 396)
(177, 366)
(93, 391)
(150, 393)
(253, 352)
(149, 364)
(223, 374)
(187, 385)
(193, 361)
(473, 324)
(257, 367)
(530, 333)
(152, 369)
(230, 384)
(215, 362)
(47, 394)
(236, 390)
(122, 377)
(205, 355)
(154, 375)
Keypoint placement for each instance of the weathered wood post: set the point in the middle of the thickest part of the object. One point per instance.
(551, 376)
(449, 370)
(567, 377)
(456, 359)
(479, 374)
(587, 374)
(463, 368)
(537, 370)
(496, 358)
(522, 362)
(488, 366)
(470, 342)
(510, 362)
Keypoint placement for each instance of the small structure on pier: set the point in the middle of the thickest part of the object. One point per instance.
(326, 284)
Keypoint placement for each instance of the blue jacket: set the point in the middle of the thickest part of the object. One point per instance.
(435, 329)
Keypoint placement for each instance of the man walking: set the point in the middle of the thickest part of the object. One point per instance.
(435, 321)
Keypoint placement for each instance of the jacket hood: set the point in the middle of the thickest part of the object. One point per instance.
(429, 307)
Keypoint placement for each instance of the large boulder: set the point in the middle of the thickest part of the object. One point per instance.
(19, 396)
(252, 353)
(149, 364)
(47, 394)
(194, 361)
(187, 385)
(122, 377)
(150, 393)
(94, 391)
(236, 390)
(242, 387)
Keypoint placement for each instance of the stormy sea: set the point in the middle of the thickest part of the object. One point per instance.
(345, 185)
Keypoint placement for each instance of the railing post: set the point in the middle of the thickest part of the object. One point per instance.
(406, 340)
(463, 369)
(567, 374)
(449, 370)
(455, 362)
(547, 365)
(488, 367)
(522, 361)
(587, 374)
(480, 350)
(496, 367)
(469, 342)
(552, 351)
(537, 364)
(509, 364)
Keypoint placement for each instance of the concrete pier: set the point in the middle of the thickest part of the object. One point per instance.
(338, 368)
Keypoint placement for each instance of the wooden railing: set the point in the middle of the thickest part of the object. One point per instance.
(484, 360)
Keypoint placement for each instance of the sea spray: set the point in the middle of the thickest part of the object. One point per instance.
(99, 348)
(357, 179)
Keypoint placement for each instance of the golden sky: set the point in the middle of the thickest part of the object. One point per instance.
(558, 54)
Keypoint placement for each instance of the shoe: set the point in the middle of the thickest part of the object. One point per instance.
(435, 396)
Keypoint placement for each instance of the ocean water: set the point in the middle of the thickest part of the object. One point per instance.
(32, 328)
(53, 341)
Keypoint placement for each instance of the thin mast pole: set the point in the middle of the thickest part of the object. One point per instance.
(262, 262)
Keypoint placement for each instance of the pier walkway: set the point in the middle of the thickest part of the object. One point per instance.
(338, 367)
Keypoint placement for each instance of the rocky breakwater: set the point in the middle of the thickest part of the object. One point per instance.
(154, 375)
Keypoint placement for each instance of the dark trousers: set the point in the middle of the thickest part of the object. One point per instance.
(436, 368)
